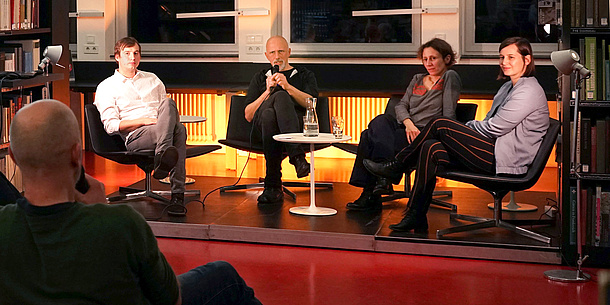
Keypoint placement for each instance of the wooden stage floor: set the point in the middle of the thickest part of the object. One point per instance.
(235, 216)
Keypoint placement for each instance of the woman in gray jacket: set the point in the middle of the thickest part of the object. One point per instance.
(505, 142)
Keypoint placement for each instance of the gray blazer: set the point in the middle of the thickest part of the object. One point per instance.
(518, 119)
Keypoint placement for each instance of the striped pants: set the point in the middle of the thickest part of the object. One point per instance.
(444, 143)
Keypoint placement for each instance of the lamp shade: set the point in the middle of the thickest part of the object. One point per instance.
(567, 61)
(51, 55)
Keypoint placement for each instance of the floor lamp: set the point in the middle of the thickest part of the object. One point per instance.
(567, 62)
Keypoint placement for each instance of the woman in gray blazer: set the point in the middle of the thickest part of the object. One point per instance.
(505, 142)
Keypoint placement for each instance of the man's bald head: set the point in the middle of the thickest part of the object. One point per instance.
(43, 135)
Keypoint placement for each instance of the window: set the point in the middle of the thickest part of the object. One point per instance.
(328, 28)
(156, 25)
(487, 23)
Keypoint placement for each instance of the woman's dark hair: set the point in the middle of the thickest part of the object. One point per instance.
(525, 48)
(440, 46)
(123, 43)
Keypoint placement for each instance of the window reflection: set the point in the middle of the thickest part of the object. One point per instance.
(331, 21)
(497, 20)
(154, 21)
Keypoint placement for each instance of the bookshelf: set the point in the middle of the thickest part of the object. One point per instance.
(591, 182)
(51, 29)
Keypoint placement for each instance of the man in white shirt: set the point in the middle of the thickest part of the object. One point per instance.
(134, 104)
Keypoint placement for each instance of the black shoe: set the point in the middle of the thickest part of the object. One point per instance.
(383, 187)
(176, 205)
(366, 202)
(300, 165)
(412, 221)
(271, 195)
(392, 170)
(165, 162)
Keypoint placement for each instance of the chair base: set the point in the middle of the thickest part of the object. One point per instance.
(130, 193)
(188, 180)
(435, 202)
(286, 184)
(483, 223)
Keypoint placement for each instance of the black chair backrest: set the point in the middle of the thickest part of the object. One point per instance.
(464, 112)
(389, 107)
(238, 128)
(542, 156)
(101, 141)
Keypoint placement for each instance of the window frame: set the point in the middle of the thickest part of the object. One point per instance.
(178, 49)
(372, 50)
(472, 49)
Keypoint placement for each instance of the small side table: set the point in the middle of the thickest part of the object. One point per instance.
(312, 209)
(187, 119)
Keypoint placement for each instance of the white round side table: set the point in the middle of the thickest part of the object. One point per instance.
(322, 138)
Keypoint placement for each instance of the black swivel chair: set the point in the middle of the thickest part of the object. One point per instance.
(242, 135)
(113, 148)
(499, 186)
(464, 112)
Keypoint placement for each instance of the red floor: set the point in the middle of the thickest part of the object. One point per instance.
(294, 275)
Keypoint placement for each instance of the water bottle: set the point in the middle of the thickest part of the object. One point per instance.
(310, 120)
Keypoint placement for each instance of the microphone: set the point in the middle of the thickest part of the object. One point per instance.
(274, 69)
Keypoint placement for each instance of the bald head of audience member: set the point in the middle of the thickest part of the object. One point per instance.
(45, 143)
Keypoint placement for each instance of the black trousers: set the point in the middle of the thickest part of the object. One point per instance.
(444, 143)
(278, 114)
(380, 142)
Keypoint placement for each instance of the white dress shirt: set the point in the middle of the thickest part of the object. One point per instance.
(120, 98)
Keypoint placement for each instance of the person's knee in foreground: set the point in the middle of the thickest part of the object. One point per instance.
(276, 102)
(428, 95)
(134, 104)
(57, 250)
(505, 142)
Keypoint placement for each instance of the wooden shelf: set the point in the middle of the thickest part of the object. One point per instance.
(25, 32)
(12, 84)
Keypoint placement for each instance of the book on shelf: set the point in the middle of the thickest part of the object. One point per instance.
(590, 62)
(2, 61)
(598, 215)
(605, 144)
(5, 15)
(603, 72)
(605, 217)
(589, 13)
(595, 55)
(585, 144)
(593, 167)
(24, 14)
(572, 220)
(604, 12)
(30, 49)
(595, 215)
(607, 73)
(601, 145)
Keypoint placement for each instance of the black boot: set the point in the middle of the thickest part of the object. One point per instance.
(392, 170)
(412, 221)
(271, 195)
(176, 205)
(366, 202)
(301, 166)
(383, 187)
